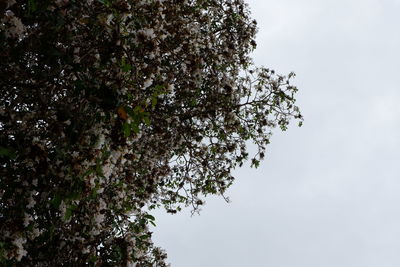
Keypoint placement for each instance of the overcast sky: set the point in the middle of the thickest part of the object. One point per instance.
(328, 193)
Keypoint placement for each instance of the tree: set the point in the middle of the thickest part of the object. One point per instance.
(112, 108)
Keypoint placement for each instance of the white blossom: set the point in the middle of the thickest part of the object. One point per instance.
(63, 208)
(170, 87)
(115, 155)
(31, 202)
(185, 95)
(107, 170)
(109, 19)
(19, 243)
(149, 33)
(16, 28)
(85, 250)
(100, 142)
(103, 205)
(27, 219)
(147, 83)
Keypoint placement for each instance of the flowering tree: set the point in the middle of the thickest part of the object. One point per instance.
(112, 108)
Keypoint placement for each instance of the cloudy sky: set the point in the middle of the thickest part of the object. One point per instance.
(328, 193)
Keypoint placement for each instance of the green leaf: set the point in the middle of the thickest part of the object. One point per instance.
(56, 201)
(93, 259)
(159, 89)
(153, 102)
(105, 2)
(135, 128)
(68, 214)
(129, 96)
(144, 237)
(87, 173)
(93, 193)
(69, 211)
(126, 67)
(150, 217)
(99, 169)
(146, 120)
(193, 102)
(32, 6)
(255, 163)
(7, 152)
(126, 129)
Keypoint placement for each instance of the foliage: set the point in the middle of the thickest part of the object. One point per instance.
(109, 108)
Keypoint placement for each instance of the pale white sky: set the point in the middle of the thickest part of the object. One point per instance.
(328, 193)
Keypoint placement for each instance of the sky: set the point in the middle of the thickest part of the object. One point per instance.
(328, 193)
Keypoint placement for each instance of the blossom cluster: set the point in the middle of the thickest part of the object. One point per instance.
(111, 108)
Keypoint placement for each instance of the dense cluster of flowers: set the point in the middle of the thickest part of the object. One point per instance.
(110, 108)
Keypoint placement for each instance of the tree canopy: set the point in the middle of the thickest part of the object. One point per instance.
(111, 108)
